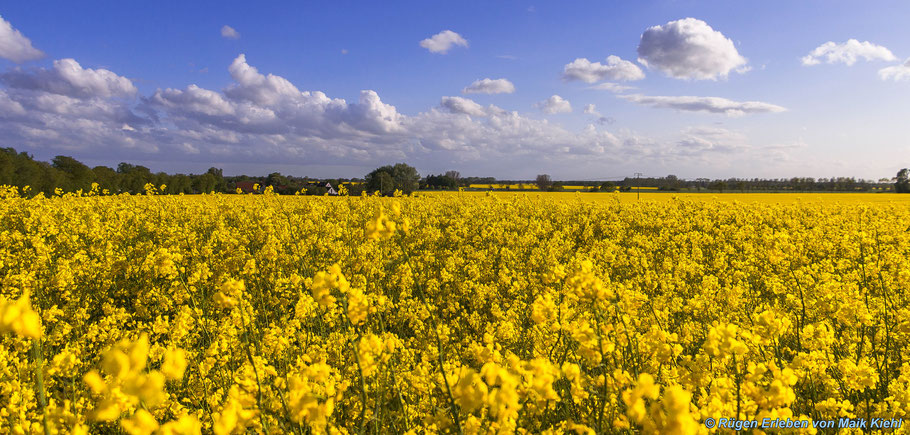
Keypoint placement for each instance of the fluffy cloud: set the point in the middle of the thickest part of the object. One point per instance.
(507, 134)
(263, 119)
(14, 46)
(591, 72)
(194, 100)
(490, 86)
(463, 105)
(443, 41)
(229, 32)
(554, 104)
(689, 49)
(9, 107)
(68, 78)
(270, 104)
(705, 104)
(95, 126)
(252, 86)
(848, 52)
(896, 72)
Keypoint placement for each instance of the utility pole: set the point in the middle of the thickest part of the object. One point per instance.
(638, 184)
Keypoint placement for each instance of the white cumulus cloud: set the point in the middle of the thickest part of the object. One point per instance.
(591, 72)
(443, 41)
(490, 86)
(194, 100)
(463, 105)
(848, 53)
(258, 88)
(229, 32)
(263, 119)
(896, 72)
(271, 104)
(689, 49)
(705, 104)
(69, 78)
(14, 46)
(554, 104)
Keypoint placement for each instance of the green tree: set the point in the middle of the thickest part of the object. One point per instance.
(607, 186)
(220, 183)
(455, 176)
(106, 178)
(441, 182)
(902, 182)
(78, 176)
(388, 178)
(543, 181)
(275, 179)
(718, 185)
(134, 177)
(204, 183)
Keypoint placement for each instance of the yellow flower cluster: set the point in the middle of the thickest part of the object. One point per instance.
(446, 313)
(18, 317)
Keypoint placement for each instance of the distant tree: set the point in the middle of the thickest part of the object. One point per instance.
(556, 187)
(719, 185)
(204, 183)
(670, 182)
(275, 179)
(902, 182)
(78, 176)
(220, 183)
(106, 178)
(401, 176)
(180, 183)
(455, 176)
(607, 186)
(133, 177)
(381, 182)
(440, 182)
(543, 181)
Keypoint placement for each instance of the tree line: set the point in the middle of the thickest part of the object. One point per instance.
(794, 184)
(70, 175)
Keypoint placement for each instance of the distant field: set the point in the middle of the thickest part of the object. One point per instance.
(768, 198)
(531, 186)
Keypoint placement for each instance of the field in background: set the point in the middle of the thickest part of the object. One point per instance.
(532, 186)
(652, 196)
(451, 312)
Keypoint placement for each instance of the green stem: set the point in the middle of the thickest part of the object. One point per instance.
(246, 334)
(39, 382)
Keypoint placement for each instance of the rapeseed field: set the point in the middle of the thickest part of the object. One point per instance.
(456, 313)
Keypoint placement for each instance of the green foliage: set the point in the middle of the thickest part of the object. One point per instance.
(388, 178)
(441, 182)
(543, 182)
(70, 175)
(902, 182)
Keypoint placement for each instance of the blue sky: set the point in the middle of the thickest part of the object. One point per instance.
(695, 89)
